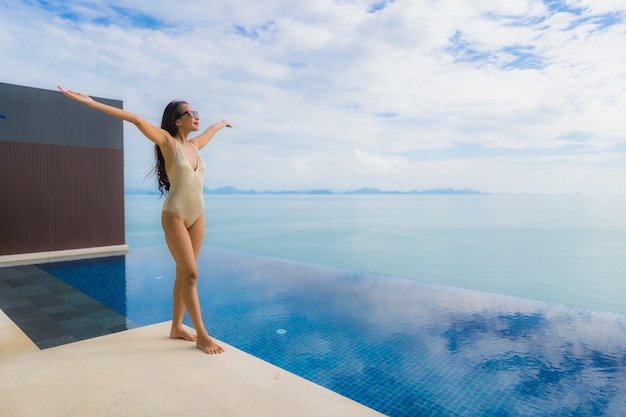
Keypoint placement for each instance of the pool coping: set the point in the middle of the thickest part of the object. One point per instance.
(142, 372)
(62, 255)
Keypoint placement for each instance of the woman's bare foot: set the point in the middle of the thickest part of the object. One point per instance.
(182, 333)
(208, 346)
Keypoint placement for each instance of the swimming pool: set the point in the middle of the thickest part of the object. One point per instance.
(400, 346)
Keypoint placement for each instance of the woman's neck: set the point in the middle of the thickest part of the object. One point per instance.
(182, 137)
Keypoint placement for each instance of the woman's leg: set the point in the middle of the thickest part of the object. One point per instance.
(185, 245)
(178, 331)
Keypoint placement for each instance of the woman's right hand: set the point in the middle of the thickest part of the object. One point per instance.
(74, 95)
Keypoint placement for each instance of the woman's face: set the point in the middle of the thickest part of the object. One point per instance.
(189, 119)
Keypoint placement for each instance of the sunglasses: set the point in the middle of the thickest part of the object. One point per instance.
(194, 114)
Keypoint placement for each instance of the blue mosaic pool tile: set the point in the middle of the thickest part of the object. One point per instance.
(403, 347)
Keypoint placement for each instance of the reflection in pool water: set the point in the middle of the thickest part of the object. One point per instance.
(403, 347)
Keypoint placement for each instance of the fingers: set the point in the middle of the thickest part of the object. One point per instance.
(74, 95)
(68, 93)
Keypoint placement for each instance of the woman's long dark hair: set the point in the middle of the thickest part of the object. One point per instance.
(168, 123)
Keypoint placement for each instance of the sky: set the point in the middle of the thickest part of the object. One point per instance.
(499, 96)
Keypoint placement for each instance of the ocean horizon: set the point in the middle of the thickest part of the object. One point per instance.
(229, 190)
(566, 249)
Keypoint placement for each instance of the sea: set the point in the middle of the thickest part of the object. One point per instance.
(567, 249)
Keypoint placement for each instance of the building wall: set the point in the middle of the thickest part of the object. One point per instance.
(61, 173)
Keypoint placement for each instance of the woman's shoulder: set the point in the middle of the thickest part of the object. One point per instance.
(168, 147)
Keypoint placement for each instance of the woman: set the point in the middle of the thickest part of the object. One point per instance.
(180, 172)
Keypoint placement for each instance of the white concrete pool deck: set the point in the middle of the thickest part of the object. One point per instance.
(141, 372)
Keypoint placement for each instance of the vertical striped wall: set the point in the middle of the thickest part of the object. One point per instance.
(61, 173)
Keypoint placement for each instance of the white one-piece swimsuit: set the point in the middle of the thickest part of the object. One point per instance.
(185, 195)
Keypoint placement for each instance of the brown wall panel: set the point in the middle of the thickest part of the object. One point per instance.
(57, 197)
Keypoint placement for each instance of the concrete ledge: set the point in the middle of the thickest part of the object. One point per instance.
(61, 255)
(142, 372)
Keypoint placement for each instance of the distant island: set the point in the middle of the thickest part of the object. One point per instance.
(232, 190)
(360, 191)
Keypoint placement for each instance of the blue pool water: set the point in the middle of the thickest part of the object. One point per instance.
(403, 347)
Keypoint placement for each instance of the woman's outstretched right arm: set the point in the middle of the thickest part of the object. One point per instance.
(155, 134)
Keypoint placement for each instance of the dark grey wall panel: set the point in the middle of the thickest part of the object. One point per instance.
(45, 116)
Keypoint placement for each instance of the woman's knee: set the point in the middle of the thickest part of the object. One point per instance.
(188, 274)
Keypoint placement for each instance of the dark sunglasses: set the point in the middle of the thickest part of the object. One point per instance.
(194, 114)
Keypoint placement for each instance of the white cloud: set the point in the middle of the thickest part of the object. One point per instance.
(368, 164)
(308, 83)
